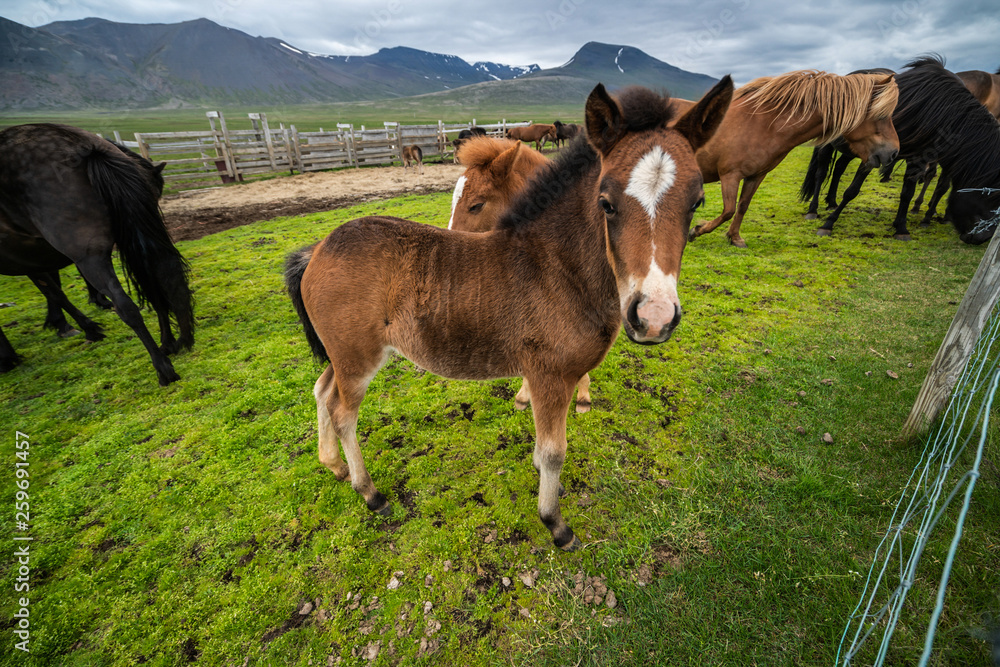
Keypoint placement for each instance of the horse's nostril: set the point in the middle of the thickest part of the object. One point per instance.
(633, 315)
(677, 318)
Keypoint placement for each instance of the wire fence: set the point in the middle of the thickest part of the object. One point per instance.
(926, 499)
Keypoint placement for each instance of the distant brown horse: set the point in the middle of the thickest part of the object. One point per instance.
(413, 156)
(772, 115)
(592, 244)
(496, 172)
(985, 86)
(539, 133)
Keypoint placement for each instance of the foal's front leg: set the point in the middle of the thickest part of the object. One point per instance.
(583, 403)
(550, 403)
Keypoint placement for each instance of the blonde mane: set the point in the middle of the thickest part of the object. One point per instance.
(843, 102)
(479, 152)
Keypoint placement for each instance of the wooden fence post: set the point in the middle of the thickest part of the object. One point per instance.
(263, 128)
(352, 154)
(224, 148)
(958, 343)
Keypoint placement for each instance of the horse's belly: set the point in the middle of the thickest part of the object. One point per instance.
(460, 359)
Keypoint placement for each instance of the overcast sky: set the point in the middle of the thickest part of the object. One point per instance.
(747, 38)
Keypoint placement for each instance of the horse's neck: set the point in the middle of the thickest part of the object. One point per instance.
(571, 239)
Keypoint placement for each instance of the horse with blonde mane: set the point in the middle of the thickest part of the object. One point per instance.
(772, 115)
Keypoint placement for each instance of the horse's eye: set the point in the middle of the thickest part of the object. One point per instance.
(607, 206)
(700, 202)
(476, 208)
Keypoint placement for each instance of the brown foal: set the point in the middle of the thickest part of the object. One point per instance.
(593, 243)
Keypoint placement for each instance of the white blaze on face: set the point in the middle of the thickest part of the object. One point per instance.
(651, 177)
(459, 186)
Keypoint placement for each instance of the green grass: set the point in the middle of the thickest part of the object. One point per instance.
(306, 118)
(193, 521)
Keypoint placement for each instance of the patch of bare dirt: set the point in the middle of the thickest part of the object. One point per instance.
(194, 214)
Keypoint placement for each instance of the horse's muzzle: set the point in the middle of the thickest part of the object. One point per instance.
(650, 323)
(882, 157)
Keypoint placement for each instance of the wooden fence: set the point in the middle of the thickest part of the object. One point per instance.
(201, 158)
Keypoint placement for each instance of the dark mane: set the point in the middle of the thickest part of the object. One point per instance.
(551, 183)
(941, 119)
(644, 109)
(926, 59)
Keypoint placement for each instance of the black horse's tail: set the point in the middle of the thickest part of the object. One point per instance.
(153, 266)
(295, 266)
(819, 168)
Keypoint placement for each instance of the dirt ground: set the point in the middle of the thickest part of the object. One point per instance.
(194, 214)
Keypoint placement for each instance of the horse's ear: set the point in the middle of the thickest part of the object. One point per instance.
(605, 121)
(886, 80)
(501, 165)
(158, 168)
(704, 118)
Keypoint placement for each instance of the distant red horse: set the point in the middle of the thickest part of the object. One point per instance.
(539, 133)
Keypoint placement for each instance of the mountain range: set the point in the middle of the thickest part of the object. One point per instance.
(95, 63)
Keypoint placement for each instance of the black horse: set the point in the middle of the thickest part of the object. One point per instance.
(936, 119)
(68, 197)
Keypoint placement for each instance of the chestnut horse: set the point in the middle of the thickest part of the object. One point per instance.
(496, 172)
(539, 133)
(594, 242)
(772, 115)
(413, 156)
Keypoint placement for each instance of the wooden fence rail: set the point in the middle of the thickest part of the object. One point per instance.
(200, 158)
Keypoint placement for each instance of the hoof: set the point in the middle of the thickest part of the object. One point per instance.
(69, 333)
(583, 406)
(385, 510)
(738, 242)
(573, 545)
(823, 232)
(168, 377)
(695, 233)
(811, 216)
(521, 405)
(562, 490)
(902, 237)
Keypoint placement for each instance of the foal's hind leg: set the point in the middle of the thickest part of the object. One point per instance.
(329, 450)
(550, 405)
(343, 403)
(101, 274)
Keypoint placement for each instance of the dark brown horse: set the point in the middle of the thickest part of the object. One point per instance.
(413, 157)
(594, 242)
(496, 172)
(538, 132)
(68, 197)
(772, 115)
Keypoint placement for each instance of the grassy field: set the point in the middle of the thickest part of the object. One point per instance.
(194, 524)
(307, 118)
